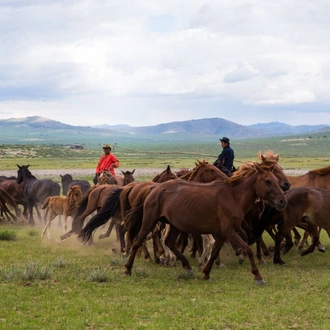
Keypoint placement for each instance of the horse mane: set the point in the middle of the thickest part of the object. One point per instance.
(163, 174)
(321, 171)
(245, 170)
(183, 172)
(268, 157)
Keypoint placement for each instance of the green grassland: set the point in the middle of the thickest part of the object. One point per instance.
(296, 152)
(50, 284)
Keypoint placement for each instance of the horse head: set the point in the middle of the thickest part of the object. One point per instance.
(22, 173)
(165, 175)
(267, 187)
(128, 177)
(271, 159)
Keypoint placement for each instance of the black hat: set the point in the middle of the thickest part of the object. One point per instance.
(224, 139)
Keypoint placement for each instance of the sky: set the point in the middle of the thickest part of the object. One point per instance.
(146, 62)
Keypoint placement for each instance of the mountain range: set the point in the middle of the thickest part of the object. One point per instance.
(200, 127)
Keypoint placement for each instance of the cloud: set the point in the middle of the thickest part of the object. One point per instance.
(150, 62)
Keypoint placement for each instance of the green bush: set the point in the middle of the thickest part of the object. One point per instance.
(7, 235)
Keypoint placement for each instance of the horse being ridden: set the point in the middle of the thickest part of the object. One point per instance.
(35, 191)
(201, 209)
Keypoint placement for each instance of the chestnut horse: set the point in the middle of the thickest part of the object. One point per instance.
(93, 200)
(122, 200)
(201, 208)
(61, 205)
(167, 174)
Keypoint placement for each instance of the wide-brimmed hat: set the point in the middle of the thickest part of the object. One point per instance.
(106, 146)
(225, 139)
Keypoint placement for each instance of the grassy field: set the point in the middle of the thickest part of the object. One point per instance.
(300, 152)
(48, 284)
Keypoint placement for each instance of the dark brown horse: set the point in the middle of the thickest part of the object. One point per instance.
(67, 182)
(7, 205)
(15, 190)
(318, 178)
(35, 191)
(306, 207)
(202, 209)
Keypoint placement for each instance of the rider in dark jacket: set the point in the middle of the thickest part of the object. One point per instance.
(226, 158)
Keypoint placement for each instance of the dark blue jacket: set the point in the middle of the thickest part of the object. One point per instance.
(227, 157)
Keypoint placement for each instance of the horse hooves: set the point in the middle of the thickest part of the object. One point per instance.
(279, 262)
(241, 261)
(296, 242)
(102, 236)
(162, 261)
(189, 272)
(262, 262)
(259, 282)
(321, 248)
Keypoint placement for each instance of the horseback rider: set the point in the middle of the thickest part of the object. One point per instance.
(226, 158)
(107, 162)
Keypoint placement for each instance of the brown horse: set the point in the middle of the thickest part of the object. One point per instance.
(61, 205)
(306, 206)
(93, 200)
(122, 200)
(7, 203)
(318, 178)
(269, 158)
(133, 188)
(201, 208)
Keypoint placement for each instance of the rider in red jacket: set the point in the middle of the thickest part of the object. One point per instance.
(108, 162)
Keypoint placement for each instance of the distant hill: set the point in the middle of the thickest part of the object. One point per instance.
(276, 128)
(39, 129)
(211, 126)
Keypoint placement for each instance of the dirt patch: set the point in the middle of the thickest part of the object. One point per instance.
(77, 173)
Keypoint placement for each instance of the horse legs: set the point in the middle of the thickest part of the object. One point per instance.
(51, 216)
(108, 232)
(171, 243)
(31, 219)
(145, 229)
(218, 243)
(235, 238)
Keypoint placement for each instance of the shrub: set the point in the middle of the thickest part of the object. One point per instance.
(7, 235)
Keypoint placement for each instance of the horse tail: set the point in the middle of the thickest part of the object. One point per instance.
(46, 202)
(83, 201)
(124, 202)
(6, 198)
(109, 209)
(133, 221)
(133, 217)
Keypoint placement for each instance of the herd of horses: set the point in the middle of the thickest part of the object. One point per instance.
(203, 206)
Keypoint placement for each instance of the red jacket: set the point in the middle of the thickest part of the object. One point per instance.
(107, 162)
